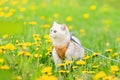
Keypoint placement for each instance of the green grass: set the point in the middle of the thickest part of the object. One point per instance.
(101, 30)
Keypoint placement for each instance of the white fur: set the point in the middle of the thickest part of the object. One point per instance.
(60, 39)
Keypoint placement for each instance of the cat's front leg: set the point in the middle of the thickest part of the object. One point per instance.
(56, 58)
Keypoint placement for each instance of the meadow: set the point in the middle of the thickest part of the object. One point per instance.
(25, 44)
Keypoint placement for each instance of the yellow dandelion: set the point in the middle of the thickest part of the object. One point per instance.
(37, 55)
(1, 60)
(61, 65)
(84, 71)
(91, 72)
(109, 78)
(1, 9)
(74, 67)
(69, 19)
(35, 35)
(6, 8)
(32, 23)
(70, 27)
(24, 1)
(105, 8)
(14, 3)
(47, 70)
(46, 26)
(83, 32)
(48, 40)
(96, 54)
(18, 77)
(68, 62)
(27, 54)
(61, 71)
(21, 52)
(42, 17)
(95, 67)
(93, 7)
(46, 36)
(118, 39)
(86, 16)
(106, 21)
(5, 36)
(37, 38)
(56, 15)
(99, 75)
(10, 46)
(33, 7)
(108, 50)
(27, 44)
(115, 54)
(78, 79)
(8, 14)
(46, 77)
(1, 51)
(114, 69)
(2, 14)
(50, 19)
(80, 62)
(12, 10)
(86, 57)
(22, 9)
(5, 67)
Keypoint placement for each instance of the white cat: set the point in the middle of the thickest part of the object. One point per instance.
(65, 45)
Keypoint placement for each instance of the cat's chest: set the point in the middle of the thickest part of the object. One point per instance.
(66, 51)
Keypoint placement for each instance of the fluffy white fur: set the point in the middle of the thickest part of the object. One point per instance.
(60, 36)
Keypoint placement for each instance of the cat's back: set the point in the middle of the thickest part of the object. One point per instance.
(75, 39)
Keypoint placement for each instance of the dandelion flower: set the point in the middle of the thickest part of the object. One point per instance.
(95, 67)
(56, 15)
(114, 69)
(96, 54)
(46, 26)
(70, 27)
(118, 39)
(1, 60)
(35, 35)
(27, 54)
(42, 17)
(80, 62)
(5, 36)
(37, 55)
(86, 57)
(5, 67)
(99, 75)
(10, 46)
(18, 77)
(92, 7)
(74, 67)
(86, 16)
(108, 50)
(32, 23)
(69, 19)
(62, 64)
(47, 70)
(47, 77)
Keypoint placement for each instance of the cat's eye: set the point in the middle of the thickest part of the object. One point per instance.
(55, 31)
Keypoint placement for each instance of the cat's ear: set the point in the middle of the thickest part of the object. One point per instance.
(63, 27)
(54, 23)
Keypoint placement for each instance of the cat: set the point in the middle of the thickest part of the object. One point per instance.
(65, 46)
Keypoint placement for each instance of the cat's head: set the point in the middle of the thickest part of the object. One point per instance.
(59, 31)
